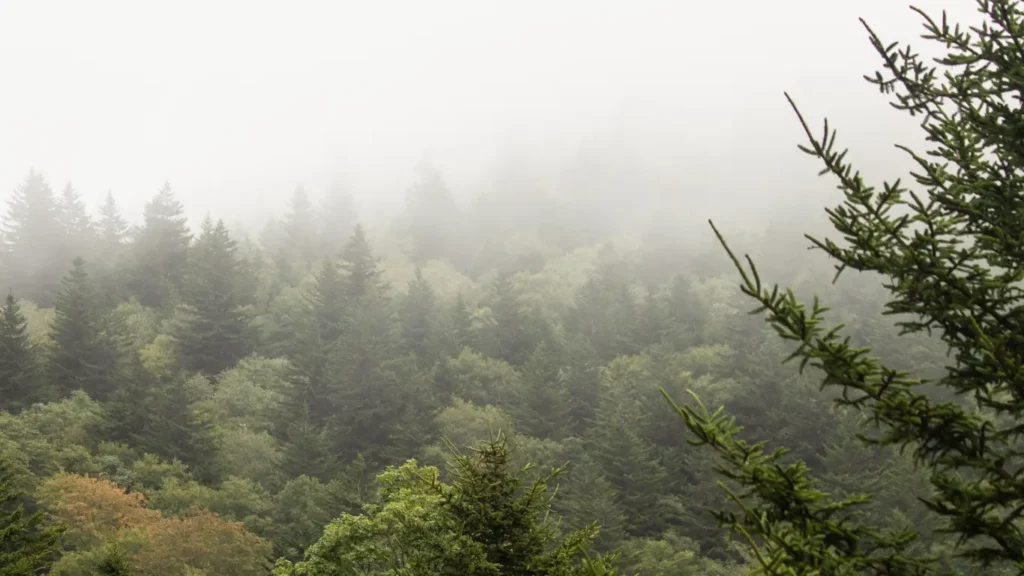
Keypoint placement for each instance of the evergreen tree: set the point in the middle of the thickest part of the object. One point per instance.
(511, 340)
(377, 394)
(337, 220)
(307, 446)
(76, 224)
(543, 406)
(586, 497)
(455, 330)
(112, 229)
(83, 357)
(175, 431)
(28, 545)
(212, 333)
(17, 369)
(417, 317)
(317, 335)
(628, 459)
(33, 241)
(431, 215)
(360, 266)
(160, 250)
(300, 227)
(950, 256)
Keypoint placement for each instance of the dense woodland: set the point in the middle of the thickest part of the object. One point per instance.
(481, 390)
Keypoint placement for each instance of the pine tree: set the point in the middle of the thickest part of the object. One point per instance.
(160, 250)
(512, 340)
(337, 220)
(316, 338)
(543, 405)
(416, 315)
(28, 545)
(82, 356)
(455, 330)
(212, 332)
(627, 458)
(300, 227)
(77, 226)
(33, 258)
(360, 266)
(112, 229)
(17, 370)
(585, 497)
(174, 430)
(431, 215)
(949, 252)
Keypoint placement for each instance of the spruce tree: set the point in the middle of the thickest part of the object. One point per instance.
(431, 215)
(543, 406)
(28, 545)
(33, 239)
(316, 337)
(82, 355)
(337, 220)
(360, 266)
(112, 229)
(160, 250)
(212, 332)
(511, 340)
(300, 227)
(416, 315)
(77, 226)
(455, 330)
(948, 249)
(17, 369)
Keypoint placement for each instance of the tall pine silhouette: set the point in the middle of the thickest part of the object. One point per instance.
(17, 370)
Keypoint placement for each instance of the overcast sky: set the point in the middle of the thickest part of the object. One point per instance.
(234, 103)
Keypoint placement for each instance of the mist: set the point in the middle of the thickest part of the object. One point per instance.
(236, 103)
(313, 288)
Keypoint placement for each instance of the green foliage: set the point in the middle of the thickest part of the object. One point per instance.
(28, 544)
(212, 331)
(160, 250)
(34, 254)
(951, 261)
(489, 520)
(18, 381)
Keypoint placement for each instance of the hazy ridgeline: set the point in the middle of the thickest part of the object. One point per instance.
(404, 295)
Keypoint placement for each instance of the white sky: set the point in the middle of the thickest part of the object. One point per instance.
(236, 102)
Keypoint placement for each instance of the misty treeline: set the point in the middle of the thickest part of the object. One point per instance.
(484, 393)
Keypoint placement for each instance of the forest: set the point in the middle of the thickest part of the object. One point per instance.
(475, 389)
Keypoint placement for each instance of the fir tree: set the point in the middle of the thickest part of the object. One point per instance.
(160, 250)
(543, 406)
(33, 241)
(316, 337)
(417, 316)
(511, 340)
(76, 224)
(17, 369)
(950, 256)
(585, 497)
(82, 358)
(112, 229)
(455, 330)
(431, 215)
(628, 460)
(337, 220)
(300, 227)
(360, 266)
(28, 545)
(212, 333)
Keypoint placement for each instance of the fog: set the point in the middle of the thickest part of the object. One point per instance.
(236, 103)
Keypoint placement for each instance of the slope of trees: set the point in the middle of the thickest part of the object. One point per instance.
(441, 398)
